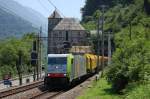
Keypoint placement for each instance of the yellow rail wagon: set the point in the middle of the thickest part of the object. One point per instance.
(91, 62)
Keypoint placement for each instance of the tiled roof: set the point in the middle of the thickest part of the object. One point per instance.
(81, 49)
(55, 14)
(69, 24)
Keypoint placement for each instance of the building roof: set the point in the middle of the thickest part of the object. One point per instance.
(58, 55)
(95, 32)
(55, 14)
(81, 49)
(69, 24)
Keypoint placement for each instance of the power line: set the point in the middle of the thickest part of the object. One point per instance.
(14, 14)
(10, 11)
(52, 4)
(47, 10)
(56, 7)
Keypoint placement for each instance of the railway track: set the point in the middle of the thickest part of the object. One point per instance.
(47, 95)
(19, 89)
(36, 90)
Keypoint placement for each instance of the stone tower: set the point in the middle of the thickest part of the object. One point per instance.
(63, 33)
(53, 20)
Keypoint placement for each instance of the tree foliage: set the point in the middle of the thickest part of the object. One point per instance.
(131, 60)
(92, 5)
(9, 50)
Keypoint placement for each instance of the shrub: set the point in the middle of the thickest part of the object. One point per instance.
(130, 63)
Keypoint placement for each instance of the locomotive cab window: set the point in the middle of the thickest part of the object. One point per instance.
(57, 64)
(62, 60)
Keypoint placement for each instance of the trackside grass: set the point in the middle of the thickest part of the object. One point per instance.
(102, 90)
(137, 91)
(99, 90)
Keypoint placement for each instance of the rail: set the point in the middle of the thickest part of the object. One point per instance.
(47, 95)
(19, 89)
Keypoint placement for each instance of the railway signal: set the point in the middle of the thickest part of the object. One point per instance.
(19, 66)
(34, 58)
(34, 46)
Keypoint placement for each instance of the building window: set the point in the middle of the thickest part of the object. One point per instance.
(67, 36)
(60, 34)
(54, 34)
(79, 34)
(59, 38)
(54, 43)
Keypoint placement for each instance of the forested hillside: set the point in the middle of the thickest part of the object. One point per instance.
(117, 12)
(129, 21)
(16, 20)
(28, 14)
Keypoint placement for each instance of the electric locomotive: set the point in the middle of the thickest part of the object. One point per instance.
(63, 69)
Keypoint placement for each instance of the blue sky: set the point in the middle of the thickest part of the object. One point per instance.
(69, 8)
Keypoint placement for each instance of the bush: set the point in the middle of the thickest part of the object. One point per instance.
(130, 62)
(9, 54)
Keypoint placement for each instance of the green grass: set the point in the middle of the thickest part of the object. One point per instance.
(102, 90)
(138, 91)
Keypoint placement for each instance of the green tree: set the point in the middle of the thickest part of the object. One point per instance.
(9, 50)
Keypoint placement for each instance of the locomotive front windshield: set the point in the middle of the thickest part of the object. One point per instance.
(60, 60)
(57, 64)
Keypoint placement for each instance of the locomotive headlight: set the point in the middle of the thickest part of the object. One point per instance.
(48, 74)
(56, 67)
(65, 74)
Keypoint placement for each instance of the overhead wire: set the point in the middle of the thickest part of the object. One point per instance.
(55, 7)
(47, 10)
(51, 3)
(14, 14)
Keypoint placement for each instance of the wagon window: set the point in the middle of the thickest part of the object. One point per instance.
(71, 61)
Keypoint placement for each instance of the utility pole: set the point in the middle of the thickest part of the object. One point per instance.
(103, 8)
(36, 55)
(109, 48)
(37, 67)
(37, 48)
(19, 66)
(98, 45)
(40, 53)
(34, 59)
(130, 30)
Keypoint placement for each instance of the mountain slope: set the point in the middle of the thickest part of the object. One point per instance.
(12, 25)
(15, 19)
(26, 13)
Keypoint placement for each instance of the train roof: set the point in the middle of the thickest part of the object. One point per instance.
(58, 55)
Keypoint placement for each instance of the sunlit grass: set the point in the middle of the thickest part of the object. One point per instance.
(100, 90)
(137, 91)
